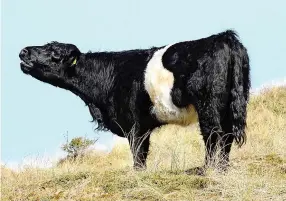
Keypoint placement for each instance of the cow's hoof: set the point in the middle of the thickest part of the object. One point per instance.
(201, 171)
(139, 168)
(223, 168)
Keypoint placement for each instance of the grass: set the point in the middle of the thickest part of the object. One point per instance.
(257, 172)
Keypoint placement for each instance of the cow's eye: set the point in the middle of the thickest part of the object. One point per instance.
(55, 57)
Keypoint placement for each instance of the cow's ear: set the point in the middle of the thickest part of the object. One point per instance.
(72, 56)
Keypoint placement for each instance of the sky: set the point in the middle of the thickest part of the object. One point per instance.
(36, 117)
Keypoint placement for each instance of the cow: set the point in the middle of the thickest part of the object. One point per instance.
(130, 93)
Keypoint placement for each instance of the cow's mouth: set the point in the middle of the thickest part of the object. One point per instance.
(26, 66)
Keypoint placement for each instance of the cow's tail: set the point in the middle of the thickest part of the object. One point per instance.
(240, 84)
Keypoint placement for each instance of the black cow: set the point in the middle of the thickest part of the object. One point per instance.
(132, 92)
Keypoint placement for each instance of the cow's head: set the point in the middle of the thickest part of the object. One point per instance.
(53, 63)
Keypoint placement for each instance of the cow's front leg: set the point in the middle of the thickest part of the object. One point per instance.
(139, 146)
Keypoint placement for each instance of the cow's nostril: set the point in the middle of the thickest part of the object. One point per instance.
(24, 52)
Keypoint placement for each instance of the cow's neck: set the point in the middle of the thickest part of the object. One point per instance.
(95, 78)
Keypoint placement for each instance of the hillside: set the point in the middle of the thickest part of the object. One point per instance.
(257, 172)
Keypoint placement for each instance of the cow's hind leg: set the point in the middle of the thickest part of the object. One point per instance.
(226, 141)
(209, 120)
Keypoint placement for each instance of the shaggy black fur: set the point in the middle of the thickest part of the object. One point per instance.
(210, 73)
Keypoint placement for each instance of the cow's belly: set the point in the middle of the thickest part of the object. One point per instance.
(159, 83)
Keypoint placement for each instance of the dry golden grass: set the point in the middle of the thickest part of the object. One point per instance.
(257, 172)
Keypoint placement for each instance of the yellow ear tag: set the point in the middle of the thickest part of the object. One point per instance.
(74, 62)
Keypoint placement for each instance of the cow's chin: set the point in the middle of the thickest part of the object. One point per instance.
(26, 67)
(44, 76)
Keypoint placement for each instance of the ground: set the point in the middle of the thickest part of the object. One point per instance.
(257, 171)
